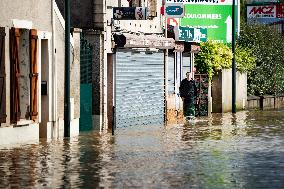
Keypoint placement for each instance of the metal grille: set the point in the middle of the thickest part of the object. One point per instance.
(202, 82)
(86, 61)
(278, 26)
(86, 51)
(139, 91)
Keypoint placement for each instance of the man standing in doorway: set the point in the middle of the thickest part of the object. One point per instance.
(188, 93)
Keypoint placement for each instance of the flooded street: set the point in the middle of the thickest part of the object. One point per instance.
(245, 150)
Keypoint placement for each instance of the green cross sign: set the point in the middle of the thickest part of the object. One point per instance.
(216, 18)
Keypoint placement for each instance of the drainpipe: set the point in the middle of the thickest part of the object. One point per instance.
(166, 71)
(67, 71)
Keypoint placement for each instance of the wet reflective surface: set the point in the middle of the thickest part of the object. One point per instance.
(225, 151)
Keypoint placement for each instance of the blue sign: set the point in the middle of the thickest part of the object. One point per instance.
(174, 10)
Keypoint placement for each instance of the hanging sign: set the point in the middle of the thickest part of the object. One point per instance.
(174, 10)
(190, 34)
(130, 13)
(216, 18)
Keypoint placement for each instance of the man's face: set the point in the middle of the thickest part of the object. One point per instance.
(188, 75)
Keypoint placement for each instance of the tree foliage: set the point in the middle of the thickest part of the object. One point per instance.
(268, 47)
(217, 56)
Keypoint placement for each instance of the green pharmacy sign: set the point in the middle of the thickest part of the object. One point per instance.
(217, 19)
(191, 34)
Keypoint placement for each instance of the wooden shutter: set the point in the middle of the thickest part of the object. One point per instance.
(33, 73)
(15, 74)
(2, 77)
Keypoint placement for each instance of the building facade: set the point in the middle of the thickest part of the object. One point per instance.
(32, 81)
(128, 73)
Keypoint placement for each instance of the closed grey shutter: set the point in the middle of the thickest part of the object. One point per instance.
(139, 88)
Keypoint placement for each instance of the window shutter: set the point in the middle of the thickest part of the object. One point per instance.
(33, 73)
(2, 77)
(15, 74)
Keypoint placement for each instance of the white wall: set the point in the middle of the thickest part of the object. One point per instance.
(37, 14)
(24, 134)
(37, 11)
(241, 90)
(22, 14)
(144, 26)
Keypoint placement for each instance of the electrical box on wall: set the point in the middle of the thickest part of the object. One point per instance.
(44, 88)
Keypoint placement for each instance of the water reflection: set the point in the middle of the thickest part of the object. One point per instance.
(244, 150)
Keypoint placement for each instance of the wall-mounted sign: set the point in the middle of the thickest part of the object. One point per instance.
(189, 34)
(130, 13)
(265, 14)
(263, 11)
(174, 10)
(202, 2)
(216, 18)
(128, 40)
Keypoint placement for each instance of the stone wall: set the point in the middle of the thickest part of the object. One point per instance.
(96, 38)
(265, 102)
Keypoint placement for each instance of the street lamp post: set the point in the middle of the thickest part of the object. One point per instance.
(233, 61)
(67, 71)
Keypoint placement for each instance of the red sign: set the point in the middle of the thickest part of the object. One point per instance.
(280, 11)
(265, 11)
(261, 11)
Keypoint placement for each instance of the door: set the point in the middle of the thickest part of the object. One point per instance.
(86, 89)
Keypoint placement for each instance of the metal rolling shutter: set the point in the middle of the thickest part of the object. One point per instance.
(139, 91)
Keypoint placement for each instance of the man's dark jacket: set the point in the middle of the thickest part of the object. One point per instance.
(188, 89)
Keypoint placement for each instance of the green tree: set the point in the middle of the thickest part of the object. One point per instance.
(243, 11)
(214, 57)
(268, 47)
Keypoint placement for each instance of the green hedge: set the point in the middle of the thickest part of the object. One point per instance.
(217, 56)
(268, 47)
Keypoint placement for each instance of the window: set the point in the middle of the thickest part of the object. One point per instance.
(135, 3)
(150, 4)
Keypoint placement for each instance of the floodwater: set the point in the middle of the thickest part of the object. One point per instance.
(245, 150)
